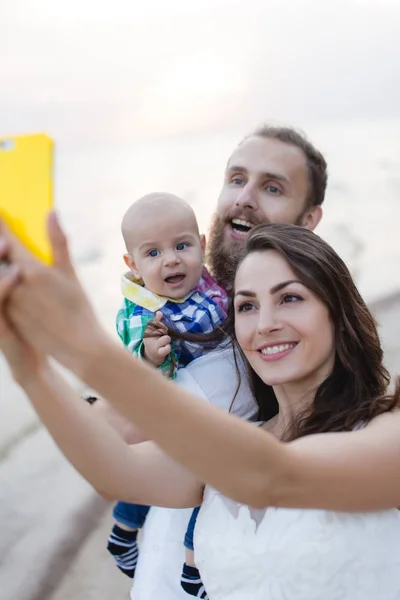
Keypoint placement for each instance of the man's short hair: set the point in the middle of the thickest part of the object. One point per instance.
(316, 163)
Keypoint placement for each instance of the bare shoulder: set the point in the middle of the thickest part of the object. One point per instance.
(381, 435)
(390, 419)
(346, 471)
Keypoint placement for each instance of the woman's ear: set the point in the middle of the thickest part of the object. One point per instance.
(130, 263)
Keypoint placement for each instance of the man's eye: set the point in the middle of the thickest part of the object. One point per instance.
(182, 246)
(237, 180)
(153, 253)
(272, 189)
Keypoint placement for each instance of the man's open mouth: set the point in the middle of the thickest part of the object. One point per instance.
(241, 227)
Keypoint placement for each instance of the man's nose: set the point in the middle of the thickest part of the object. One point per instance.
(247, 197)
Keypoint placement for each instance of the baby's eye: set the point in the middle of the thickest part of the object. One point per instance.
(182, 246)
(153, 253)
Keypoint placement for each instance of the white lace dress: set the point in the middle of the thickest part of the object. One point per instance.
(295, 554)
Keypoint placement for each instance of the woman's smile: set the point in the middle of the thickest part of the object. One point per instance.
(277, 350)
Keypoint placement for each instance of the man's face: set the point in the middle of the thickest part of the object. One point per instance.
(266, 181)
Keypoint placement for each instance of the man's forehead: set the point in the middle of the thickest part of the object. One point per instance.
(257, 154)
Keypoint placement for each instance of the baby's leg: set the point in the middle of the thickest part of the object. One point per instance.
(190, 578)
(122, 542)
(191, 582)
(189, 557)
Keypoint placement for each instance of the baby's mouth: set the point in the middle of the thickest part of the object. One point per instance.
(175, 278)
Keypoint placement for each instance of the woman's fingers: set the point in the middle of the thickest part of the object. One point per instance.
(3, 248)
(4, 261)
(49, 308)
(19, 254)
(59, 244)
(15, 251)
(9, 275)
(22, 358)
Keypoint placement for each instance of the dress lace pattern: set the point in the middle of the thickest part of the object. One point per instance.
(296, 554)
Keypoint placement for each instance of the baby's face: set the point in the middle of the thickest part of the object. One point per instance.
(167, 254)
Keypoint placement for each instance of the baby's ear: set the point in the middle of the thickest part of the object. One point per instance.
(130, 263)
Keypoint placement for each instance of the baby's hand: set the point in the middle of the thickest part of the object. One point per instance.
(157, 343)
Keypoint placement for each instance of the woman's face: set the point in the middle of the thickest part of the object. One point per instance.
(283, 328)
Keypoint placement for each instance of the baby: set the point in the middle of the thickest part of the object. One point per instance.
(167, 288)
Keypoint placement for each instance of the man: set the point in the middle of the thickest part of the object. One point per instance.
(274, 175)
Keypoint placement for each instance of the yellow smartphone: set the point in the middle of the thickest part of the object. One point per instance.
(26, 189)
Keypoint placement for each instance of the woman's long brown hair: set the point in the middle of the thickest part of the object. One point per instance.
(357, 389)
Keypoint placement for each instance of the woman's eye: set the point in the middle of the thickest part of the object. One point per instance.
(245, 307)
(153, 253)
(291, 298)
(182, 246)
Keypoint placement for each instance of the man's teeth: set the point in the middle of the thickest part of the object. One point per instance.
(240, 223)
(276, 349)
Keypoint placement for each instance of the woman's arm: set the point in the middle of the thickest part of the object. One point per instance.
(350, 471)
(359, 469)
(340, 471)
(140, 473)
(353, 471)
(126, 429)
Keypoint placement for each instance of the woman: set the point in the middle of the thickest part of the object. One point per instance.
(330, 443)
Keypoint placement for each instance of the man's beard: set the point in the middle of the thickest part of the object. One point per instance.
(222, 261)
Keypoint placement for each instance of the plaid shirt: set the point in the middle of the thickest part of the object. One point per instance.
(201, 311)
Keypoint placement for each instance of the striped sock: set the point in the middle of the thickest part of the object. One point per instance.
(191, 582)
(123, 547)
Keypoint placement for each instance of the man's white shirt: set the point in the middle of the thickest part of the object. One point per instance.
(212, 377)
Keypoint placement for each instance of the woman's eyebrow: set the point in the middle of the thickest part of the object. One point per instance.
(245, 293)
(276, 288)
(281, 286)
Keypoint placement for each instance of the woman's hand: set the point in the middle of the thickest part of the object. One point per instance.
(24, 361)
(48, 308)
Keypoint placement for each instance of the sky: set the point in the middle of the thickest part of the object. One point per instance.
(150, 94)
(121, 70)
